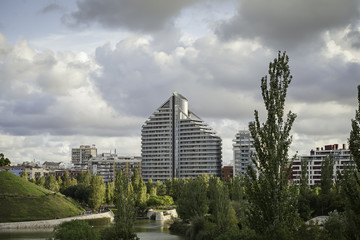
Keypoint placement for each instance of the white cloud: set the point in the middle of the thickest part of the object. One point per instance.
(46, 92)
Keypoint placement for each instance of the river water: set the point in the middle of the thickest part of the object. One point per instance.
(145, 230)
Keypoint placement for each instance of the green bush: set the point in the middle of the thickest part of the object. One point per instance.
(74, 230)
(155, 201)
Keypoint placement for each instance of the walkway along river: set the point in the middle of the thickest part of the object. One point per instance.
(52, 223)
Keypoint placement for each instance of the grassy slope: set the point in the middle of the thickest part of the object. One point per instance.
(24, 201)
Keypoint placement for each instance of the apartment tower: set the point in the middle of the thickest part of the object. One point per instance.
(242, 149)
(176, 143)
(80, 156)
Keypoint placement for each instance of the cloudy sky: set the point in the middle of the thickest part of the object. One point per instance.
(92, 71)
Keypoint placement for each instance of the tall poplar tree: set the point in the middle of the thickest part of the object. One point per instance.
(126, 213)
(24, 174)
(97, 192)
(352, 183)
(272, 202)
(354, 140)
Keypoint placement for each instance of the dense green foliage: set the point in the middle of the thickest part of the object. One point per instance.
(267, 205)
(75, 230)
(352, 180)
(4, 161)
(126, 212)
(24, 175)
(97, 192)
(51, 184)
(272, 201)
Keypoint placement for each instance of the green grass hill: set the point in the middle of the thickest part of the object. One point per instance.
(21, 200)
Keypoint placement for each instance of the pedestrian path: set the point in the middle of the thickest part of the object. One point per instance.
(52, 223)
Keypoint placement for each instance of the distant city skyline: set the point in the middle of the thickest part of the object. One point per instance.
(87, 72)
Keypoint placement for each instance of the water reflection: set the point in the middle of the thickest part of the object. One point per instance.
(145, 229)
(154, 230)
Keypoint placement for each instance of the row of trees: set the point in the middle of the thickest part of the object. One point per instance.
(266, 205)
(92, 191)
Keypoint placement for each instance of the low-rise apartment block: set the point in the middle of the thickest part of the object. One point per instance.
(107, 164)
(339, 156)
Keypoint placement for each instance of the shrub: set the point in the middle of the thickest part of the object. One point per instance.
(74, 230)
(155, 201)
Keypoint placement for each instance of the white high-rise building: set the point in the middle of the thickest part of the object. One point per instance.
(242, 148)
(176, 143)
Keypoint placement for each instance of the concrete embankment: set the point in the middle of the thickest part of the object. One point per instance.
(49, 224)
(162, 216)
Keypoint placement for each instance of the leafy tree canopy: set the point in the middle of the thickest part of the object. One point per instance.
(4, 161)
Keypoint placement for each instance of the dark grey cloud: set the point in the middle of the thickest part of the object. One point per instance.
(137, 15)
(320, 79)
(288, 24)
(32, 104)
(353, 36)
(136, 78)
(52, 7)
(220, 80)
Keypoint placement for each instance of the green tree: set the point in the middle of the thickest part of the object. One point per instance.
(135, 179)
(352, 179)
(169, 187)
(66, 181)
(141, 196)
(74, 230)
(327, 169)
(125, 217)
(160, 188)
(193, 201)
(306, 196)
(40, 181)
(140, 190)
(84, 178)
(59, 181)
(176, 186)
(97, 192)
(110, 192)
(4, 161)
(150, 187)
(326, 195)
(223, 214)
(236, 189)
(24, 174)
(354, 140)
(51, 183)
(272, 202)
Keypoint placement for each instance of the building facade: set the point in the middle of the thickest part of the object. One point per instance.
(176, 143)
(242, 148)
(32, 172)
(80, 156)
(339, 156)
(106, 165)
(227, 173)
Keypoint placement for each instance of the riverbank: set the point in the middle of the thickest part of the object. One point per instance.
(50, 224)
(162, 216)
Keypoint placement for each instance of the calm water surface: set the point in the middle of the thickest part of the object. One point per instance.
(145, 229)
